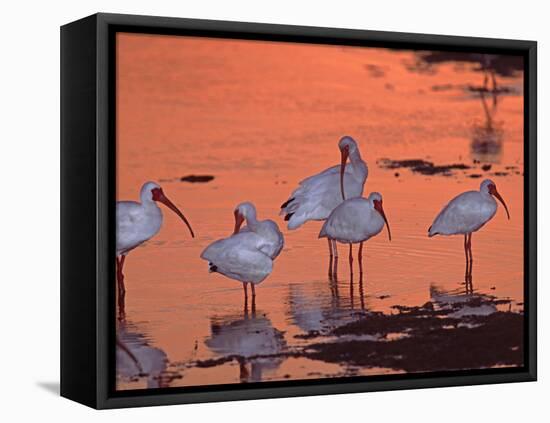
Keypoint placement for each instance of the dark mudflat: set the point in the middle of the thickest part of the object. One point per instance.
(422, 166)
(197, 178)
(434, 345)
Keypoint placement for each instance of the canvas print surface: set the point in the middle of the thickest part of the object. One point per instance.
(292, 211)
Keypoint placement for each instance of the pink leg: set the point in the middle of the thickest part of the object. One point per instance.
(329, 258)
(350, 259)
(466, 253)
(351, 293)
(253, 298)
(471, 262)
(245, 288)
(360, 257)
(361, 293)
(335, 265)
(121, 287)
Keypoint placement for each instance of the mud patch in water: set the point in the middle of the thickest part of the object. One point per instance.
(439, 339)
(422, 166)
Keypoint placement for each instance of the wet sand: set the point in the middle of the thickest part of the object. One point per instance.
(258, 118)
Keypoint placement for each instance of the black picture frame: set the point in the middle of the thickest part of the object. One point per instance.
(88, 209)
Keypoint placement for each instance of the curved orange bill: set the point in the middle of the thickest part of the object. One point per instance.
(239, 219)
(164, 200)
(379, 209)
(345, 154)
(499, 198)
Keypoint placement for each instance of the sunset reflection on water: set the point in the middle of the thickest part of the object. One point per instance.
(260, 117)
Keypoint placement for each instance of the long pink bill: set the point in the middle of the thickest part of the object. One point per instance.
(158, 195)
(345, 154)
(239, 219)
(380, 209)
(499, 198)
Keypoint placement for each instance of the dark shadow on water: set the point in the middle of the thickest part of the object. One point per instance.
(51, 387)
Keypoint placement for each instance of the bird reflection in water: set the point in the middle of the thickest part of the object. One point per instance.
(488, 68)
(333, 279)
(315, 309)
(462, 303)
(486, 145)
(136, 360)
(253, 341)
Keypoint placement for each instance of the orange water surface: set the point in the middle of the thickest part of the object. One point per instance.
(261, 116)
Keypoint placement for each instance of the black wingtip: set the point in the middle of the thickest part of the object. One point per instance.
(430, 234)
(286, 203)
(213, 268)
(288, 216)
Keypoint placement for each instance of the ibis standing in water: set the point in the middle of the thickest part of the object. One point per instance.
(247, 255)
(355, 221)
(467, 213)
(317, 196)
(136, 223)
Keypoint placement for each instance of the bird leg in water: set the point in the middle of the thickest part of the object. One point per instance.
(329, 258)
(351, 296)
(335, 265)
(360, 256)
(245, 288)
(253, 298)
(466, 253)
(361, 293)
(470, 250)
(471, 261)
(350, 258)
(120, 286)
(334, 278)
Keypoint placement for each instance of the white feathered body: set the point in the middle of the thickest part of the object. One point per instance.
(464, 214)
(355, 220)
(135, 224)
(272, 237)
(317, 196)
(240, 257)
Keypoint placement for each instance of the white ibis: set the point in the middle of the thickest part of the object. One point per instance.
(355, 221)
(138, 222)
(318, 195)
(467, 213)
(267, 229)
(246, 256)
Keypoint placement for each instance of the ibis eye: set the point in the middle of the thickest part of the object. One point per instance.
(156, 193)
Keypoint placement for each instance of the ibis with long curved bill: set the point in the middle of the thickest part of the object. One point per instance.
(467, 213)
(355, 221)
(137, 223)
(247, 255)
(317, 196)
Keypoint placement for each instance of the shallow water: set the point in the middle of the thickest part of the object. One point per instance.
(260, 117)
